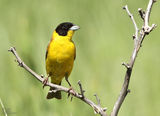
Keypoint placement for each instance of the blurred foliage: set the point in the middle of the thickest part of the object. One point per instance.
(103, 43)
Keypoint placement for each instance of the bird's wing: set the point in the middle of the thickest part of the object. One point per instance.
(74, 52)
(47, 51)
(48, 48)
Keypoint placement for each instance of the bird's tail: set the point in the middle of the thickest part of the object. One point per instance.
(51, 94)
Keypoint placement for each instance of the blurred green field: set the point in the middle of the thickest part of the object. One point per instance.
(103, 43)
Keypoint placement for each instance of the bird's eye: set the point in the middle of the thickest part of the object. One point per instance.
(64, 27)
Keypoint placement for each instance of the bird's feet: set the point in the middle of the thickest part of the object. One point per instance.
(45, 81)
(71, 92)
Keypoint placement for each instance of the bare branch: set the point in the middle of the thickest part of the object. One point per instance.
(148, 12)
(126, 65)
(98, 100)
(3, 108)
(134, 22)
(141, 13)
(40, 78)
(99, 103)
(143, 32)
(82, 91)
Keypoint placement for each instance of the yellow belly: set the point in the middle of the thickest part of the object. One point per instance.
(60, 58)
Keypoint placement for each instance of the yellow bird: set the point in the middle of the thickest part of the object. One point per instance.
(60, 56)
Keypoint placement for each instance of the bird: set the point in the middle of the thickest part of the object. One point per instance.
(60, 56)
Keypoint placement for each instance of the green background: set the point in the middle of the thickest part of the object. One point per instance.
(103, 43)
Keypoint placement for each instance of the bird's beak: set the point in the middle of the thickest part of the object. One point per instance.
(74, 28)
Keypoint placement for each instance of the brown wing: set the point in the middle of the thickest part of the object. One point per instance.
(48, 48)
(74, 53)
(47, 51)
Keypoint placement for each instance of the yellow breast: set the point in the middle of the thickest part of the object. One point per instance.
(61, 51)
(60, 58)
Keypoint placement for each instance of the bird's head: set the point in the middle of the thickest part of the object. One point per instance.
(66, 29)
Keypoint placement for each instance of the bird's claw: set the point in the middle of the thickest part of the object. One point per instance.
(45, 81)
(71, 92)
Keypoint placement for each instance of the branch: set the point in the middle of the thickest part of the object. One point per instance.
(98, 100)
(99, 103)
(147, 15)
(82, 91)
(146, 29)
(3, 108)
(141, 13)
(81, 96)
(135, 36)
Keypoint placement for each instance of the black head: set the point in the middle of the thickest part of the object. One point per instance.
(63, 28)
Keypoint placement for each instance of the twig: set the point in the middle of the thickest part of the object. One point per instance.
(126, 65)
(40, 78)
(3, 108)
(135, 36)
(98, 100)
(82, 91)
(99, 103)
(148, 12)
(141, 13)
(146, 29)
